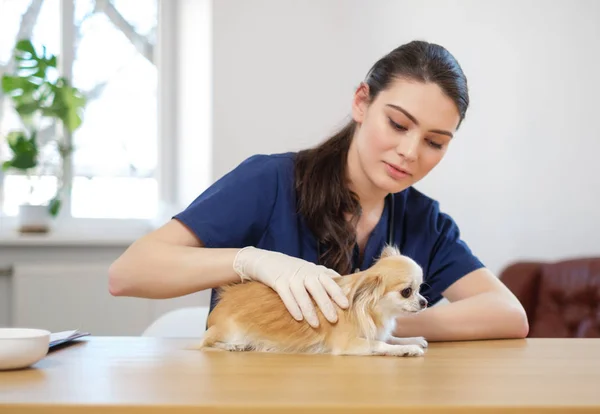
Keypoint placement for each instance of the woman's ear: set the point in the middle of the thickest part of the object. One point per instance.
(360, 103)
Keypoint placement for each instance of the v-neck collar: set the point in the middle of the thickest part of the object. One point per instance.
(375, 242)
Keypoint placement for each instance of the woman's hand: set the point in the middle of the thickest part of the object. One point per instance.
(293, 279)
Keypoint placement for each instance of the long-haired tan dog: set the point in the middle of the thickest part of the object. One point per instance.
(251, 316)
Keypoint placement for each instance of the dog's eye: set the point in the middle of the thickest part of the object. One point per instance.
(406, 293)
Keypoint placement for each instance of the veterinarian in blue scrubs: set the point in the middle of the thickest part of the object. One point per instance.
(295, 220)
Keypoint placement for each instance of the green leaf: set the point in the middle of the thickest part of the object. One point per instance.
(12, 83)
(26, 46)
(30, 64)
(24, 161)
(35, 91)
(54, 206)
(26, 109)
(6, 165)
(24, 150)
(15, 85)
(14, 138)
(27, 85)
(67, 105)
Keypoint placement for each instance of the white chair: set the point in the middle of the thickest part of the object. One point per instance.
(180, 323)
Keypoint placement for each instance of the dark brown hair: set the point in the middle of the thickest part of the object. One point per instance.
(324, 197)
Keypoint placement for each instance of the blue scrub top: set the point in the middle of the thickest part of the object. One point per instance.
(255, 205)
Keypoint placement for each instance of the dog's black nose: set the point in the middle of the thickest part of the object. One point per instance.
(423, 303)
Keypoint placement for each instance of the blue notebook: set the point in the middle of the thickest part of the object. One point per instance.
(65, 337)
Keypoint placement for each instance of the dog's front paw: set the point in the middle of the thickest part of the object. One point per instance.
(417, 340)
(399, 350)
(407, 350)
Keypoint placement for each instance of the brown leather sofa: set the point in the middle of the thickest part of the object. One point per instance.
(562, 299)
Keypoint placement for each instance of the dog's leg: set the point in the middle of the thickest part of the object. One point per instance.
(361, 346)
(356, 346)
(418, 340)
(208, 340)
(233, 347)
(217, 338)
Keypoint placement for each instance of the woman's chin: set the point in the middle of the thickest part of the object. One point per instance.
(388, 184)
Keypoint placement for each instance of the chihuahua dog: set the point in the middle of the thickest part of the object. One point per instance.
(252, 317)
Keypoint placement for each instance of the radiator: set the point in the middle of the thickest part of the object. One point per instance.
(72, 295)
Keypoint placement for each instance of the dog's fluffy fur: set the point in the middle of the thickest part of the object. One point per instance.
(251, 316)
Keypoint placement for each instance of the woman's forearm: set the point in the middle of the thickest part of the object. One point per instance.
(159, 270)
(484, 316)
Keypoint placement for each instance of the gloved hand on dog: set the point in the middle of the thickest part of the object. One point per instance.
(293, 279)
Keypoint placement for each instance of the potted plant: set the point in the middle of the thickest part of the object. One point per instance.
(44, 102)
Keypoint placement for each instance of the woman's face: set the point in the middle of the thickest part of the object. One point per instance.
(403, 133)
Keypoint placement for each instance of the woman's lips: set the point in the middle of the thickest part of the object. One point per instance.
(396, 172)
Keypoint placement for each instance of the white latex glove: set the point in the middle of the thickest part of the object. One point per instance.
(293, 279)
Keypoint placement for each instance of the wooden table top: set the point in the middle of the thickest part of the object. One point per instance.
(149, 375)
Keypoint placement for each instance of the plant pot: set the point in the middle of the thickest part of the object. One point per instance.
(34, 219)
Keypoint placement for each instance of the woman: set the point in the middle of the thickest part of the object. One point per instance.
(295, 220)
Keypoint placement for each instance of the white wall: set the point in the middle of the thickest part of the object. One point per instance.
(284, 73)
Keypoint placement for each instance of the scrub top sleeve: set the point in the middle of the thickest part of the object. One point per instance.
(451, 258)
(235, 211)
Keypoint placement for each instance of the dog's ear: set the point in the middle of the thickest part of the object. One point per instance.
(389, 250)
(369, 288)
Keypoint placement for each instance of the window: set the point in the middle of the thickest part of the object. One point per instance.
(107, 47)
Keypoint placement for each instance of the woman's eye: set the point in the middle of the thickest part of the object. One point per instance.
(406, 293)
(397, 126)
(434, 144)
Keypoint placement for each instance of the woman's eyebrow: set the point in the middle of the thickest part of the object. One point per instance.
(414, 120)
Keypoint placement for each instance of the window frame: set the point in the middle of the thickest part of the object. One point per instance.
(165, 50)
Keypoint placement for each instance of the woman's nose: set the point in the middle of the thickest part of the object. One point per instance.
(408, 146)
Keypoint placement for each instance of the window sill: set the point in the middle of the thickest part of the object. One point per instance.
(81, 233)
(66, 240)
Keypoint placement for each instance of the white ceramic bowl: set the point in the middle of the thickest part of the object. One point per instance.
(21, 347)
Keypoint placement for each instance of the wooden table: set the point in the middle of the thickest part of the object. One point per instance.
(146, 375)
